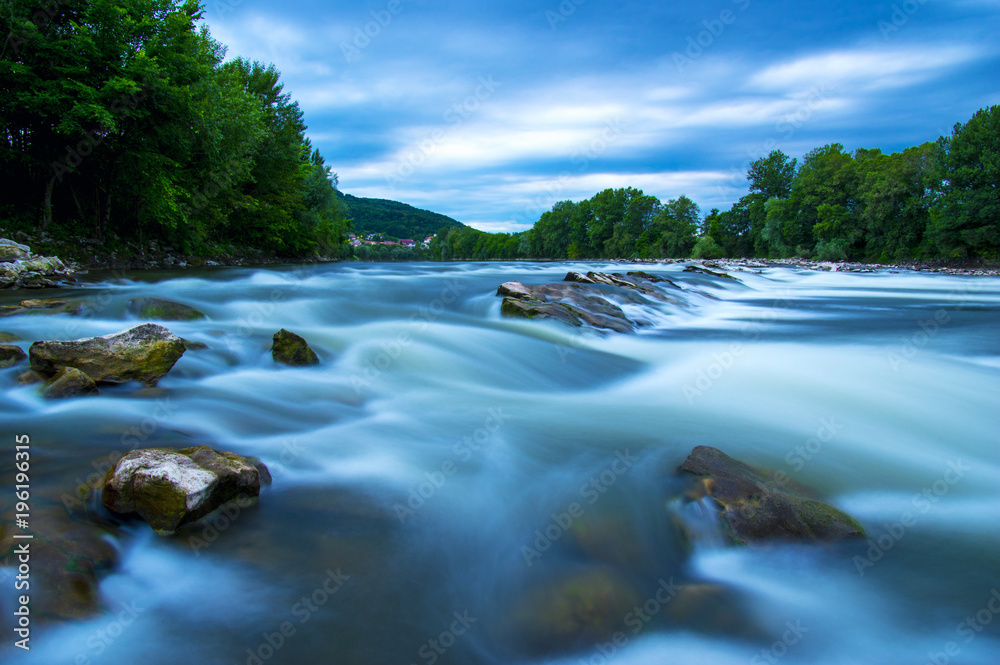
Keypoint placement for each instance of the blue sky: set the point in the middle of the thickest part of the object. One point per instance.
(492, 112)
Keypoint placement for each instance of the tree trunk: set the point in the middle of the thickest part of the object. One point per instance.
(47, 204)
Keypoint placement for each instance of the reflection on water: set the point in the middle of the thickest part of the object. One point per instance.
(446, 478)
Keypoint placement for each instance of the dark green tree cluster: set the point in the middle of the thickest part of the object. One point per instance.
(616, 223)
(122, 119)
(939, 200)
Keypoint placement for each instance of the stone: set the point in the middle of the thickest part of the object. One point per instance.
(144, 354)
(168, 488)
(12, 251)
(69, 382)
(161, 309)
(287, 348)
(11, 355)
(576, 611)
(754, 508)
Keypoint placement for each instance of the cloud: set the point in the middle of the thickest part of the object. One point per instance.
(598, 102)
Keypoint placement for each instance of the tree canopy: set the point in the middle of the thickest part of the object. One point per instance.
(123, 119)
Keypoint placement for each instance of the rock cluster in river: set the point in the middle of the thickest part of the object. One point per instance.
(612, 577)
(584, 300)
(169, 488)
(20, 270)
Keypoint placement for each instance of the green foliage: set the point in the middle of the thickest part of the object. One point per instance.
(707, 248)
(123, 121)
(968, 216)
(394, 219)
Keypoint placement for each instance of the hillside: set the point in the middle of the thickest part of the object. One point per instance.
(393, 218)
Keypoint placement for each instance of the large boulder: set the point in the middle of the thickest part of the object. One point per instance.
(755, 508)
(161, 309)
(169, 488)
(289, 349)
(144, 354)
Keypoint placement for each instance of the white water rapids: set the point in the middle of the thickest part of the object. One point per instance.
(438, 442)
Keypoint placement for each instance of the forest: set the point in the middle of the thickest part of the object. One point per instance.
(936, 201)
(125, 121)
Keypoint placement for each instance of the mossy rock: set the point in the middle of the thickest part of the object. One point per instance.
(68, 557)
(168, 488)
(11, 355)
(7, 338)
(144, 354)
(69, 382)
(754, 508)
(574, 612)
(160, 309)
(290, 349)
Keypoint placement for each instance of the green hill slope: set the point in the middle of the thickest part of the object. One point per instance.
(394, 219)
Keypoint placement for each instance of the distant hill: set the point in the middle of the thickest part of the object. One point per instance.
(394, 219)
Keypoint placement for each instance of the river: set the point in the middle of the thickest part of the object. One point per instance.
(444, 468)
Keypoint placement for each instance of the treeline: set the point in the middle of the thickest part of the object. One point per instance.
(122, 120)
(939, 200)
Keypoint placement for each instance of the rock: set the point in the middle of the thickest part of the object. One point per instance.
(69, 382)
(194, 346)
(11, 251)
(30, 273)
(169, 488)
(289, 349)
(161, 309)
(574, 612)
(6, 338)
(29, 378)
(536, 309)
(144, 353)
(11, 355)
(656, 279)
(706, 271)
(514, 290)
(68, 556)
(47, 305)
(754, 508)
(576, 304)
(578, 277)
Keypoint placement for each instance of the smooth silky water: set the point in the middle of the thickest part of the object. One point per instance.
(417, 467)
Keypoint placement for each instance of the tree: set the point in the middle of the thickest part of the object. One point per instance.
(772, 176)
(968, 215)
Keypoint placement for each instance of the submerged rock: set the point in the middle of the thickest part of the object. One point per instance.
(574, 612)
(11, 355)
(289, 349)
(68, 556)
(754, 508)
(160, 309)
(144, 353)
(169, 488)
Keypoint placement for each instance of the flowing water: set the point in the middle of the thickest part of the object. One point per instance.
(446, 474)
